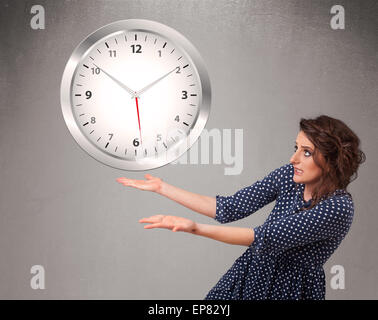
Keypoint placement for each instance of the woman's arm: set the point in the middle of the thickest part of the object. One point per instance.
(231, 235)
(199, 203)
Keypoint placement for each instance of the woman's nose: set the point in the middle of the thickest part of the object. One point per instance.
(294, 158)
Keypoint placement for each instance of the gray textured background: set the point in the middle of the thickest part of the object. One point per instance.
(270, 63)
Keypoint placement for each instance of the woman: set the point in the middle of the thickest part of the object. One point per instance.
(312, 215)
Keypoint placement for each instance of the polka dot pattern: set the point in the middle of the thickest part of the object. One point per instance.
(286, 259)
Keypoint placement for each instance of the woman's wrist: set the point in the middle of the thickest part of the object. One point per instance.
(161, 188)
(199, 229)
(196, 227)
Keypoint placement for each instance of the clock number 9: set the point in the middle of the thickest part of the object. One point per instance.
(88, 94)
(135, 142)
(139, 48)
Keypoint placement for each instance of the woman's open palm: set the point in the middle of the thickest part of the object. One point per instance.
(169, 222)
(151, 184)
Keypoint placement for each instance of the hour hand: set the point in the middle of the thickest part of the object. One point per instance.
(132, 92)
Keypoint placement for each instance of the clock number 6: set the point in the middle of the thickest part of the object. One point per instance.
(135, 142)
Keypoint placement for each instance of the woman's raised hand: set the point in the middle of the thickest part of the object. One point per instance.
(151, 184)
(169, 222)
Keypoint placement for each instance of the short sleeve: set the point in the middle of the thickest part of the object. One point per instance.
(250, 199)
(330, 218)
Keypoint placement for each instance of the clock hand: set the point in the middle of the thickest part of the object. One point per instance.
(132, 92)
(138, 93)
(140, 130)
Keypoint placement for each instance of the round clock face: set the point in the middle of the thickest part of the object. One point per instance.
(135, 94)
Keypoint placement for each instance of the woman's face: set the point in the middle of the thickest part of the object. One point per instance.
(305, 169)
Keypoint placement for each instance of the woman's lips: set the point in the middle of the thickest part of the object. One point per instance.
(298, 171)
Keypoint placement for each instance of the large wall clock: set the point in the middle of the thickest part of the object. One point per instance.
(135, 94)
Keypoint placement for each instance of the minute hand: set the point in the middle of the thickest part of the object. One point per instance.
(138, 93)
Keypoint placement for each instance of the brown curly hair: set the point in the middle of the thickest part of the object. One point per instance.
(336, 152)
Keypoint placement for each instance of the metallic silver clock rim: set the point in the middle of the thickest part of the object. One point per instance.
(135, 25)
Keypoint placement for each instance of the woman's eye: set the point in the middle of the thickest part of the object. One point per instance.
(306, 152)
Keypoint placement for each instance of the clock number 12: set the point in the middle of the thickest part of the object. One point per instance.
(138, 50)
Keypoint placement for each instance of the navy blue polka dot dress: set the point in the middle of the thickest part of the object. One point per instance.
(286, 259)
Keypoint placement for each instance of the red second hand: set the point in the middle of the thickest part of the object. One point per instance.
(140, 130)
